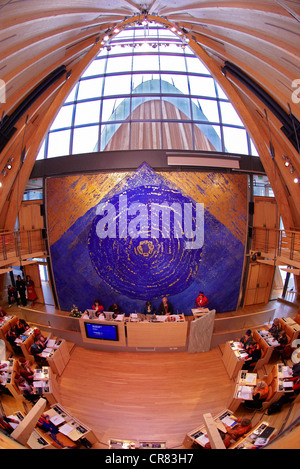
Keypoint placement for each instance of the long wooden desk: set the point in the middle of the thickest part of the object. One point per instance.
(162, 333)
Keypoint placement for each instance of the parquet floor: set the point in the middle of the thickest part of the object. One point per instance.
(142, 396)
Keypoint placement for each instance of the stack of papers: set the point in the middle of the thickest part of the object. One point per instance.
(245, 392)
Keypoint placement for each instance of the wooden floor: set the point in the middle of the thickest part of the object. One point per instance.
(142, 396)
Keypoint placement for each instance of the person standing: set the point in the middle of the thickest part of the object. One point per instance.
(21, 288)
(31, 293)
(201, 300)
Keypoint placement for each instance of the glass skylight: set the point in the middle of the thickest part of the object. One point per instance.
(145, 90)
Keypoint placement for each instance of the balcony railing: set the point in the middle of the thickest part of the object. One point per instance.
(20, 245)
(281, 245)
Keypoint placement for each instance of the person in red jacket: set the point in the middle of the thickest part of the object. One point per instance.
(201, 300)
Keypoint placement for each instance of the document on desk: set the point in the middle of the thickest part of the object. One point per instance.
(245, 392)
(250, 378)
(203, 439)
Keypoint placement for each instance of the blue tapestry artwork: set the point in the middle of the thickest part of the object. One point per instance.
(144, 240)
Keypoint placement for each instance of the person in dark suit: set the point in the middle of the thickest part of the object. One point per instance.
(165, 307)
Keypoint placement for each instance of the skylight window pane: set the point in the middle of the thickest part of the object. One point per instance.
(63, 118)
(97, 67)
(71, 95)
(146, 83)
(202, 86)
(171, 83)
(177, 108)
(91, 88)
(119, 64)
(174, 64)
(87, 113)
(194, 65)
(229, 115)
(146, 62)
(117, 85)
(108, 143)
(207, 137)
(59, 143)
(115, 109)
(205, 109)
(85, 140)
(221, 93)
(235, 140)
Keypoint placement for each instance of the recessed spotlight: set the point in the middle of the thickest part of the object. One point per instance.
(296, 180)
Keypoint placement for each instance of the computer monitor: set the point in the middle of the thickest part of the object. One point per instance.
(91, 313)
(109, 315)
(101, 331)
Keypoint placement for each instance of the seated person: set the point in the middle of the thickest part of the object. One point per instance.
(26, 389)
(5, 424)
(260, 394)
(11, 337)
(282, 339)
(165, 308)
(149, 308)
(115, 308)
(254, 354)
(39, 335)
(36, 350)
(12, 295)
(275, 329)
(247, 339)
(97, 307)
(201, 300)
(244, 426)
(25, 371)
(2, 312)
(21, 327)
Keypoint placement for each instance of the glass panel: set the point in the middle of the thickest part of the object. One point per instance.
(176, 108)
(169, 63)
(202, 86)
(205, 109)
(85, 140)
(179, 84)
(207, 137)
(71, 95)
(145, 135)
(172, 48)
(229, 115)
(121, 49)
(117, 85)
(90, 88)
(194, 65)
(115, 109)
(177, 136)
(97, 67)
(146, 107)
(146, 62)
(59, 143)
(119, 64)
(146, 83)
(115, 137)
(63, 118)
(253, 148)
(235, 140)
(87, 113)
(221, 93)
(41, 153)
